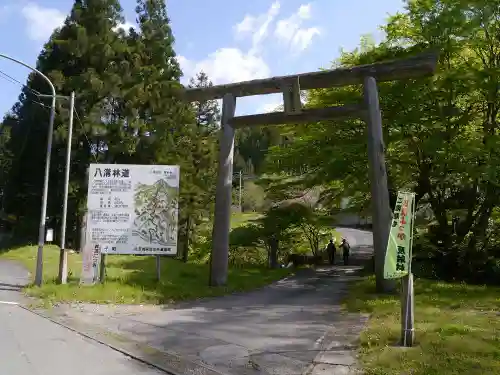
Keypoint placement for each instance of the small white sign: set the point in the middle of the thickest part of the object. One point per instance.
(50, 235)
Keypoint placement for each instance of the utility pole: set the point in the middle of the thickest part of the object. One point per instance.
(43, 213)
(63, 255)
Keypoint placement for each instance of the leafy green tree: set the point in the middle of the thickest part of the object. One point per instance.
(253, 197)
(5, 162)
(251, 147)
(441, 132)
(274, 232)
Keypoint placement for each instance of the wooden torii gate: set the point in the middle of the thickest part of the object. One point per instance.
(290, 86)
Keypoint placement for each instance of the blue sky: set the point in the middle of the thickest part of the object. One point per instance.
(230, 40)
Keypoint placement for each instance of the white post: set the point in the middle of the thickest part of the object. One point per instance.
(407, 293)
(63, 255)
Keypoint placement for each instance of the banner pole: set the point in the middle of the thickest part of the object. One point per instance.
(407, 287)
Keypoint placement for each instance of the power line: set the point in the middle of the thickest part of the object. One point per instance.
(8, 78)
(41, 104)
(15, 81)
(85, 133)
(11, 79)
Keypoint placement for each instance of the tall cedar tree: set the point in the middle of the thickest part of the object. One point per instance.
(173, 137)
(208, 112)
(86, 56)
(202, 188)
(25, 152)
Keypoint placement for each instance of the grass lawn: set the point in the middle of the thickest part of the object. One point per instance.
(132, 279)
(239, 219)
(457, 330)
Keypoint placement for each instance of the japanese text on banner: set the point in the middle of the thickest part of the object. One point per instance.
(398, 255)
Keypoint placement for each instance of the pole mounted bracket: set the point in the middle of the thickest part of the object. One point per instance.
(291, 97)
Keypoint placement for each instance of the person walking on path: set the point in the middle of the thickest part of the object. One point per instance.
(345, 251)
(330, 249)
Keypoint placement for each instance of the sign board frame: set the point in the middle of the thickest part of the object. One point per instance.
(132, 209)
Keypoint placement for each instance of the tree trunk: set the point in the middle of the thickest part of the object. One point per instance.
(273, 254)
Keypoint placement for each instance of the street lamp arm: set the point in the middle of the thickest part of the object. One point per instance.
(41, 229)
(33, 69)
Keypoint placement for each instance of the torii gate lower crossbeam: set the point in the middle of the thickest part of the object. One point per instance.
(290, 86)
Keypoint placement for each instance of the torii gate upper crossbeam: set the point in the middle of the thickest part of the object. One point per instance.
(412, 67)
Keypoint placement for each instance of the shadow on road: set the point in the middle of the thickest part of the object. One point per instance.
(11, 287)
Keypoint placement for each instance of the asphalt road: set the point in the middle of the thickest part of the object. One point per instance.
(30, 344)
(280, 329)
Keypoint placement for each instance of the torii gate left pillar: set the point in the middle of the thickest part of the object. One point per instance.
(223, 195)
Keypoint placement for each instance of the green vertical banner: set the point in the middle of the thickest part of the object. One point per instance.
(398, 254)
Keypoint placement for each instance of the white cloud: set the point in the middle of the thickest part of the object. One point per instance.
(186, 65)
(303, 37)
(230, 64)
(274, 103)
(125, 26)
(271, 106)
(227, 65)
(41, 22)
(257, 26)
(246, 26)
(290, 31)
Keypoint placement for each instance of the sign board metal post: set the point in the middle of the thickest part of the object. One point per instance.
(102, 269)
(407, 311)
(158, 268)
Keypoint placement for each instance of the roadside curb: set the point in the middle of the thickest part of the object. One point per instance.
(168, 363)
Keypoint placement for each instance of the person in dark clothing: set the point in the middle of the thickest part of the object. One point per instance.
(345, 251)
(330, 249)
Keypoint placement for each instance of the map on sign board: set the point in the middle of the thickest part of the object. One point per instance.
(132, 209)
(156, 212)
